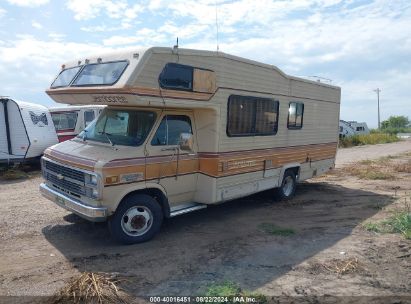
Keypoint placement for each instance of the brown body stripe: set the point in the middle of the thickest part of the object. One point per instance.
(211, 164)
(221, 164)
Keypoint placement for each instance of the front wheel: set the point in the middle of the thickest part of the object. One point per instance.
(137, 219)
(288, 186)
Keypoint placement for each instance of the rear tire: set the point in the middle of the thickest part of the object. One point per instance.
(288, 186)
(137, 219)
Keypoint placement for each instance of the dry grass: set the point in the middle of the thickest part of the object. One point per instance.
(368, 139)
(384, 168)
(369, 171)
(13, 174)
(403, 167)
(92, 287)
(340, 267)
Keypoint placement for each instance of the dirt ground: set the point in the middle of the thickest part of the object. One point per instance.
(43, 246)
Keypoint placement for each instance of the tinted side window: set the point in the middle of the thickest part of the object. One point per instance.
(170, 128)
(176, 76)
(295, 115)
(250, 116)
(88, 117)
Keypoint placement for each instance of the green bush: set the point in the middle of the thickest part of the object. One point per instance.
(367, 139)
(398, 223)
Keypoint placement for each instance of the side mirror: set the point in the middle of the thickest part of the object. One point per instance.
(186, 142)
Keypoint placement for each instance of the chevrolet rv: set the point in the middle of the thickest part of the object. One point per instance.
(184, 129)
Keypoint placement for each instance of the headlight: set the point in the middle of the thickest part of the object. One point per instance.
(93, 180)
(95, 193)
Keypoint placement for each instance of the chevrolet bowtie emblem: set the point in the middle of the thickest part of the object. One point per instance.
(60, 177)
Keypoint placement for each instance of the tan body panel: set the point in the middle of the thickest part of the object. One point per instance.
(221, 167)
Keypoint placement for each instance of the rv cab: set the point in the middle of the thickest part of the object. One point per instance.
(183, 129)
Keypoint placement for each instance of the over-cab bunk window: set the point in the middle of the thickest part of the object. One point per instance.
(295, 115)
(252, 116)
(177, 76)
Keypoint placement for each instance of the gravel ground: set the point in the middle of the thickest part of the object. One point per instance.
(43, 246)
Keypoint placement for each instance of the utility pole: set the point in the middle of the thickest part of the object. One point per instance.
(378, 91)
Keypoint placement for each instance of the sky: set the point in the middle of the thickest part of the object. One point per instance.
(360, 45)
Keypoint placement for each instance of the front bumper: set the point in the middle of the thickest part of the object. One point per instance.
(94, 214)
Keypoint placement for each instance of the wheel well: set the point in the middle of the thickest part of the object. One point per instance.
(295, 170)
(158, 195)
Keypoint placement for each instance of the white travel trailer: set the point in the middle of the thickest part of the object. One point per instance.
(26, 130)
(184, 129)
(71, 120)
(350, 128)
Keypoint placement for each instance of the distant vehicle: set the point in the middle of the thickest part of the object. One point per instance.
(350, 128)
(26, 130)
(71, 120)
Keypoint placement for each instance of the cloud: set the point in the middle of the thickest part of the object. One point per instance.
(115, 9)
(28, 3)
(143, 37)
(3, 12)
(34, 63)
(36, 25)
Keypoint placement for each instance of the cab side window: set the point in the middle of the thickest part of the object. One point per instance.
(169, 130)
(88, 117)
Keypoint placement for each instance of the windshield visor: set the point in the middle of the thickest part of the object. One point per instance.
(120, 127)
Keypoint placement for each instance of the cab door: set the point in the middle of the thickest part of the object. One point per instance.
(166, 163)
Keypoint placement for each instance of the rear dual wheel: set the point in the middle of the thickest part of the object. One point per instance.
(288, 186)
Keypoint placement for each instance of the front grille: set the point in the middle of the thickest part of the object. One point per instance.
(66, 179)
(66, 185)
(66, 172)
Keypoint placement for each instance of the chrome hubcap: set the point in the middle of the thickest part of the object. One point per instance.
(137, 220)
(288, 186)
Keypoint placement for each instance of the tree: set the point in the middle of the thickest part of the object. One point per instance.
(395, 122)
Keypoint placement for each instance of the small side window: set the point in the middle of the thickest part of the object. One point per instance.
(169, 130)
(88, 117)
(177, 76)
(295, 115)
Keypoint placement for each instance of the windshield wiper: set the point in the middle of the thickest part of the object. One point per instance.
(107, 136)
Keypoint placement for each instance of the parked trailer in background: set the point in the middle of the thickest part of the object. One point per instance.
(184, 129)
(71, 120)
(26, 130)
(350, 128)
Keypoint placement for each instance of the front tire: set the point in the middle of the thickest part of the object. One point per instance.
(137, 219)
(288, 186)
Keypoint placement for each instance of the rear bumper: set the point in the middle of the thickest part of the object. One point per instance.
(94, 214)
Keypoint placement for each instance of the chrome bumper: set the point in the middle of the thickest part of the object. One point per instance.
(94, 214)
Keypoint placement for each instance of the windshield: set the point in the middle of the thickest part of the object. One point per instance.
(65, 77)
(64, 120)
(100, 73)
(120, 127)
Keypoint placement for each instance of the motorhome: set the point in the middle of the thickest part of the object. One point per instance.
(71, 120)
(350, 128)
(184, 129)
(26, 130)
